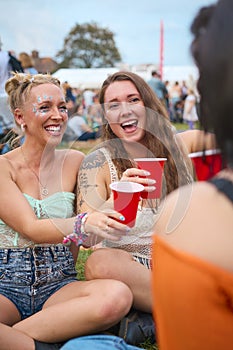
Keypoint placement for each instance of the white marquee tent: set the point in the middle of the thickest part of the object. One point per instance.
(93, 78)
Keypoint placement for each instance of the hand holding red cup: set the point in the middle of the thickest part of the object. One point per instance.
(126, 196)
(155, 167)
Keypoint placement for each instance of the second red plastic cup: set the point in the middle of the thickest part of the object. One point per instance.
(126, 197)
(207, 164)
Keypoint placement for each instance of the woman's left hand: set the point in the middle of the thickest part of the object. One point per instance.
(139, 176)
(106, 225)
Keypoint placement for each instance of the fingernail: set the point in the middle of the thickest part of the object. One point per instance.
(151, 181)
(128, 229)
(122, 218)
(147, 173)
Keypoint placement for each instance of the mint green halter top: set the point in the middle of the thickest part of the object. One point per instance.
(58, 205)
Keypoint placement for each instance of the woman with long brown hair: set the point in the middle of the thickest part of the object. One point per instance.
(136, 125)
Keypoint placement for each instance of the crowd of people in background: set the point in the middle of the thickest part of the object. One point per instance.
(84, 114)
(180, 100)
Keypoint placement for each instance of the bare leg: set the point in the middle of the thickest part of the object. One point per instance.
(11, 339)
(119, 265)
(77, 309)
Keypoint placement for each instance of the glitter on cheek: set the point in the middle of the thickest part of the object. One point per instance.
(42, 113)
(39, 99)
(34, 109)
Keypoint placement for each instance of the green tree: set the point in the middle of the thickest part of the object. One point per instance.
(88, 46)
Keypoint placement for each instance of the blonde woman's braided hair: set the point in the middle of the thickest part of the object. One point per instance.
(18, 88)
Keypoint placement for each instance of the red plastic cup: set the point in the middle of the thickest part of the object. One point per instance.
(126, 197)
(155, 167)
(207, 164)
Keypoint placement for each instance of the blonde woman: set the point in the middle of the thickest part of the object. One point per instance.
(40, 296)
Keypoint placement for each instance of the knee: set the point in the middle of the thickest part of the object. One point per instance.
(116, 304)
(96, 265)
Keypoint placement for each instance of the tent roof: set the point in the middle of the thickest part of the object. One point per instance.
(84, 78)
(93, 78)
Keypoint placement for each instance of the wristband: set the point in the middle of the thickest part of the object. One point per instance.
(78, 236)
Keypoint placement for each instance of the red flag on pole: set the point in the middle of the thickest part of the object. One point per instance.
(161, 49)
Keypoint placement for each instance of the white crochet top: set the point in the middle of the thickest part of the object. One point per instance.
(138, 242)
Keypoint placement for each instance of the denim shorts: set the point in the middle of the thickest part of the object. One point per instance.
(29, 276)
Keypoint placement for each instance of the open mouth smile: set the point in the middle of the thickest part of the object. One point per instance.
(130, 125)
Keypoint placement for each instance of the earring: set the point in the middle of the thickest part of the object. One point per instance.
(22, 126)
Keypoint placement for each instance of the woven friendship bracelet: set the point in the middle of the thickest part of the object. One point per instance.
(78, 236)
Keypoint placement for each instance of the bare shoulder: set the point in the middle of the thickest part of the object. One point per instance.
(5, 162)
(196, 140)
(198, 220)
(70, 155)
(8, 163)
(190, 139)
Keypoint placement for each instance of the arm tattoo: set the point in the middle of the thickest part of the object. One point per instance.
(93, 160)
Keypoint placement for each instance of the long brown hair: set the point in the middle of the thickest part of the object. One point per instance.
(159, 137)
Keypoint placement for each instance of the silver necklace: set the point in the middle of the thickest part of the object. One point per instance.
(43, 190)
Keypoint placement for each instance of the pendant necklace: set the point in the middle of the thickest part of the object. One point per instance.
(43, 190)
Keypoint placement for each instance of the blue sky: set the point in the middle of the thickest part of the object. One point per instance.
(26, 25)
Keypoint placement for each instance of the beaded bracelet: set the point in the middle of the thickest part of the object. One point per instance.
(78, 236)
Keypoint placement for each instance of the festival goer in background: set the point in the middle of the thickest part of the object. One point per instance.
(190, 115)
(94, 114)
(175, 95)
(68, 92)
(40, 296)
(88, 95)
(184, 90)
(81, 130)
(135, 125)
(4, 68)
(158, 86)
(178, 112)
(193, 258)
(166, 98)
(27, 63)
(6, 117)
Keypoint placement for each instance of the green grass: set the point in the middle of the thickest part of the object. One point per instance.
(82, 257)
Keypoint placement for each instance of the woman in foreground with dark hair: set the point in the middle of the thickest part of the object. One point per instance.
(193, 254)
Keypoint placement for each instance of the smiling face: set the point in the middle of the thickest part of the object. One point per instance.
(45, 113)
(125, 111)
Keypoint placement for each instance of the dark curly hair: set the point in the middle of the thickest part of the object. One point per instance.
(212, 50)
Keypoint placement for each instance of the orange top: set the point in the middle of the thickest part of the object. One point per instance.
(193, 301)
